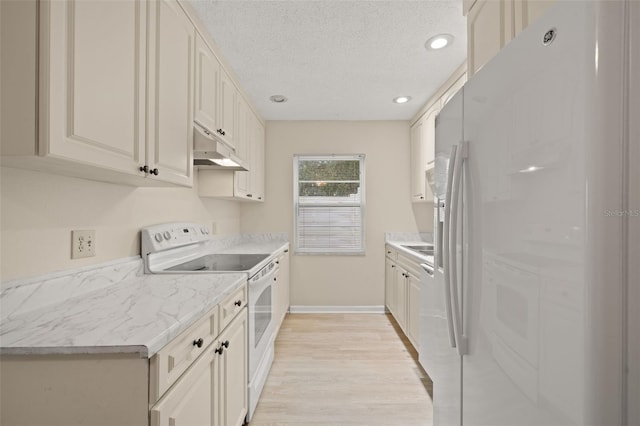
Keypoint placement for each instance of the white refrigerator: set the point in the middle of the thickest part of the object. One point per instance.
(531, 316)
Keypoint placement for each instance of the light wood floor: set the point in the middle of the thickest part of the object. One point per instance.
(351, 369)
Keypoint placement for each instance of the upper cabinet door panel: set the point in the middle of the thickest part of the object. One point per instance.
(207, 77)
(227, 108)
(489, 28)
(171, 61)
(96, 86)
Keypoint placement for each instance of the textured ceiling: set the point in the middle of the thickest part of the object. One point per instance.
(336, 60)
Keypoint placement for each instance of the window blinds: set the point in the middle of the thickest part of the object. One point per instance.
(329, 204)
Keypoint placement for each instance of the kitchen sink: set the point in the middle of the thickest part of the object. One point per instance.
(423, 249)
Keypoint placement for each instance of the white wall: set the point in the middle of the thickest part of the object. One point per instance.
(39, 210)
(340, 280)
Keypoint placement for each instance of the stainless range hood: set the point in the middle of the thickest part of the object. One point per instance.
(212, 152)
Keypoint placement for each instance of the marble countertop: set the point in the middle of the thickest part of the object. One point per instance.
(139, 315)
(399, 240)
(418, 257)
(115, 307)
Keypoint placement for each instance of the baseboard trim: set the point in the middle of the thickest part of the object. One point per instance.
(337, 309)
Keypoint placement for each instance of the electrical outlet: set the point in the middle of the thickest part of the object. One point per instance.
(83, 243)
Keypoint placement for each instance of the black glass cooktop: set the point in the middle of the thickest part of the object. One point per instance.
(221, 262)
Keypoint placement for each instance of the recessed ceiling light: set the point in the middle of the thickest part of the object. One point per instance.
(279, 99)
(402, 99)
(439, 41)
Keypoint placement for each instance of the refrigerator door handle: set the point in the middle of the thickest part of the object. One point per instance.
(445, 249)
(453, 256)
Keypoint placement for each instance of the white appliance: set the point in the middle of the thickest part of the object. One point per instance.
(525, 321)
(184, 248)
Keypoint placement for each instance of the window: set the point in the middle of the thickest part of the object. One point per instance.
(328, 198)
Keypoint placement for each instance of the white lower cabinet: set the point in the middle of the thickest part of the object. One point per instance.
(281, 289)
(401, 298)
(213, 391)
(191, 400)
(402, 293)
(233, 378)
(413, 309)
(198, 379)
(389, 288)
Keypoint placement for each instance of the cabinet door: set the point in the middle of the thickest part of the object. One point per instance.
(243, 147)
(389, 284)
(227, 108)
(191, 401)
(171, 59)
(452, 90)
(417, 163)
(527, 11)
(94, 87)
(423, 137)
(257, 160)
(284, 282)
(233, 372)
(489, 29)
(413, 309)
(400, 297)
(207, 75)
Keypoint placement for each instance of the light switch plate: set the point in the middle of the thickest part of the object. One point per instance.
(83, 243)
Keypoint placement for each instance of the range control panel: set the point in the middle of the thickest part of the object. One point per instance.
(171, 235)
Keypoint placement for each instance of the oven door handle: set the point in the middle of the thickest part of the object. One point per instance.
(259, 284)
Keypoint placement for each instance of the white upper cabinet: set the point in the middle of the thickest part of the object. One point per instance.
(227, 115)
(423, 136)
(239, 185)
(489, 29)
(491, 24)
(243, 147)
(216, 96)
(256, 174)
(170, 115)
(93, 83)
(114, 91)
(207, 76)
(453, 89)
(418, 162)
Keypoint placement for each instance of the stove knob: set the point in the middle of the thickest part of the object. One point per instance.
(167, 235)
(206, 231)
(203, 231)
(158, 237)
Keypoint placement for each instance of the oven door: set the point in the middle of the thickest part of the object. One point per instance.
(260, 318)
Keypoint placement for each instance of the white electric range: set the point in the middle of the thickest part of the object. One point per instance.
(185, 248)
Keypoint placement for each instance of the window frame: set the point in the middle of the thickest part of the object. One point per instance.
(362, 204)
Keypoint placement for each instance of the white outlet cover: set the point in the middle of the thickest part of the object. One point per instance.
(83, 243)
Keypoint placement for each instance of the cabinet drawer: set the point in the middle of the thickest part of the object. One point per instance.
(411, 266)
(391, 253)
(232, 305)
(172, 360)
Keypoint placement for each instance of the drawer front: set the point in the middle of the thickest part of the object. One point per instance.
(173, 360)
(233, 304)
(391, 253)
(411, 266)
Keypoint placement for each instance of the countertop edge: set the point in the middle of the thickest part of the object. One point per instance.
(405, 251)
